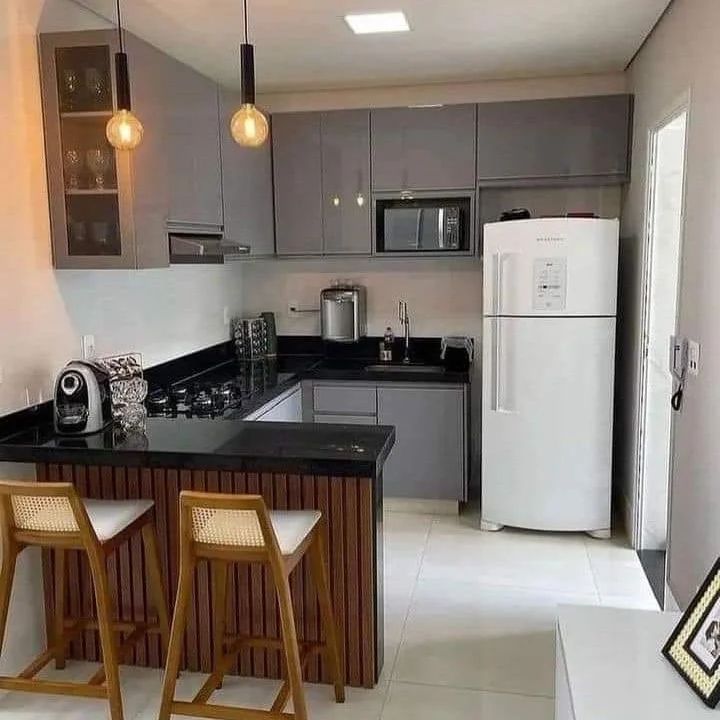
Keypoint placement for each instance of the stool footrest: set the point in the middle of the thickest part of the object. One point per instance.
(225, 712)
(52, 688)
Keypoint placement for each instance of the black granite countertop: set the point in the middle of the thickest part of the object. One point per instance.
(213, 444)
(231, 442)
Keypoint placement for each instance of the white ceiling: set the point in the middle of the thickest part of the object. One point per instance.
(303, 44)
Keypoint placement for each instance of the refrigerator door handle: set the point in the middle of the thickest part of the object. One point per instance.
(497, 358)
(500, 258)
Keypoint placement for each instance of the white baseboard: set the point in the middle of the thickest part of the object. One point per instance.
(421, 507)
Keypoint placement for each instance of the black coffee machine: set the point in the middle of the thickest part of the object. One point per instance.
(83, 402)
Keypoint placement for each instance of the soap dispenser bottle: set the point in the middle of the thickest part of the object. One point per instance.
(386, 346)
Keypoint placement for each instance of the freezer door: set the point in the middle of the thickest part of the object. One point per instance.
(547, 422)
(550, 267)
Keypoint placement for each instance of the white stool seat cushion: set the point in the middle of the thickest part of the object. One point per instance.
(292, 527)
(110, 517)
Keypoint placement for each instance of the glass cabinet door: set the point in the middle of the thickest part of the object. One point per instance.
(88, 179)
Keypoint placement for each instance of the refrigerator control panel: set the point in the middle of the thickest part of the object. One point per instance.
(550, 284)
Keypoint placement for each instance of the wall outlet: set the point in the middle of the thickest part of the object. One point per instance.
(88, 347)
(693, 357)
(226, 315)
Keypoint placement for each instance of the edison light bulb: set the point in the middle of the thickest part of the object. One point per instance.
(124, 131)
(249, 126)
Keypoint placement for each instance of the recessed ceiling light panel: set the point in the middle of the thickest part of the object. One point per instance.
(385, 22)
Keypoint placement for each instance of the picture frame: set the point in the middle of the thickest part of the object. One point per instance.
(693, 649)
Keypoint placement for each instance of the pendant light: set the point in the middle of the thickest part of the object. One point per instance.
(123, 131)
(249, 127)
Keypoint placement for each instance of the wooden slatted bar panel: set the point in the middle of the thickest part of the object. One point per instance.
(347, 502)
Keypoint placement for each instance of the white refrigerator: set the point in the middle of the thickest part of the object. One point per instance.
(549, 306)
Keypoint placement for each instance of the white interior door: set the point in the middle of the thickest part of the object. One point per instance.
(547, 422)
(664, 228)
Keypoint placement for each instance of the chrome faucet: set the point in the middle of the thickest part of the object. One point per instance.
(404, 318)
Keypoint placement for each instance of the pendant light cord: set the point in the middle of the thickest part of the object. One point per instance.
(120, 28)
(245, 15)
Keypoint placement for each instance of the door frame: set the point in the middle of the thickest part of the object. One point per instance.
(682, 104)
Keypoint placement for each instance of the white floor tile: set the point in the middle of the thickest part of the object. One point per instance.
(433, 703)
(511, 558)
(469, 629)
(482, 637)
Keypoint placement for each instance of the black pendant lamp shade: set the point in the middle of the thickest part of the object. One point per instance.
(247, 74)
(122, 81)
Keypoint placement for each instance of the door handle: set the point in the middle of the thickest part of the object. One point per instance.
(498, 284)
(497, 359)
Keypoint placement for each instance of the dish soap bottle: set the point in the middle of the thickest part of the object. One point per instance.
(386, 346)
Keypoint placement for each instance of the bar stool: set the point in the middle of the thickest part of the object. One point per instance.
(225, 529)
(52, 515)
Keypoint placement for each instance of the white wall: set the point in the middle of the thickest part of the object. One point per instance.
(683, 54)
(43, 313)
(444, 296)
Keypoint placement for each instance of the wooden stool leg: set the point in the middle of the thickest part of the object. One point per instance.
(219, 600)
(172, 665)
(318, 564)
(98, 568)
(7, 574)
(155, 583)
(59, 616)
(290, 642)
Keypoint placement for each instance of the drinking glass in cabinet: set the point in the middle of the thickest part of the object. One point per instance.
(101, 232)
(78, 232)
(96, 84)
(99, 162)
(72, 164)
(70, 88)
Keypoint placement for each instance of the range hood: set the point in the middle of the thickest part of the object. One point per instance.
(202, 246)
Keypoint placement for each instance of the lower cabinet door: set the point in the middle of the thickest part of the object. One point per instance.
(429, 457)
(287, 410)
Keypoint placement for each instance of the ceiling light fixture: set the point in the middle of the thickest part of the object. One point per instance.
(123, 130)
(249, 127)
(385, 22)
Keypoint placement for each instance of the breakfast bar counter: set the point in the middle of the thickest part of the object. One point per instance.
(335, 469)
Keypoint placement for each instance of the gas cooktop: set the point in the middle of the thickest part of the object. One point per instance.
(218, 393)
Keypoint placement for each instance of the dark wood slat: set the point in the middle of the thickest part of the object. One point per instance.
(347, 504)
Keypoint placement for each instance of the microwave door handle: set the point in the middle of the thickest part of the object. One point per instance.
(441, 228)
(418, 228)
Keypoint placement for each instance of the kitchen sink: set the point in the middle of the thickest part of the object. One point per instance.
(427, 369)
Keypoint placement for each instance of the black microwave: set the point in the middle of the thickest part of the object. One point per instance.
(417, 225)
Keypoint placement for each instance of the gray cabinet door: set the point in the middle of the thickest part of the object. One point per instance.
(423, 148)
(298, 183)
(193, 146)
(346, 182)
(247, 186)
(532, 141)
(429, 457)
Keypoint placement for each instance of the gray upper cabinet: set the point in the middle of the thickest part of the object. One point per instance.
(424, 148)
(247, 186)
(345, 138)
(584, 139)
(193, 146)
(429, 458)
(298, 183)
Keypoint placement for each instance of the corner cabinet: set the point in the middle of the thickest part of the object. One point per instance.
(424, 148)
(247, 186)
(322, 182)
(108, 208)
(89, 182)
(559, 141)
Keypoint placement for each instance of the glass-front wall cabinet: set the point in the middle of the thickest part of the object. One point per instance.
(88, 180)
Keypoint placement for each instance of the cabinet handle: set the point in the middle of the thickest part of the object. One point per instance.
(335, 201)
(360, 199)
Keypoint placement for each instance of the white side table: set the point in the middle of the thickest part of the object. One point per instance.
(610, 667)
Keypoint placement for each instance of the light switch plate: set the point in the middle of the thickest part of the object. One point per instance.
(693, 357)
(88, 347)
